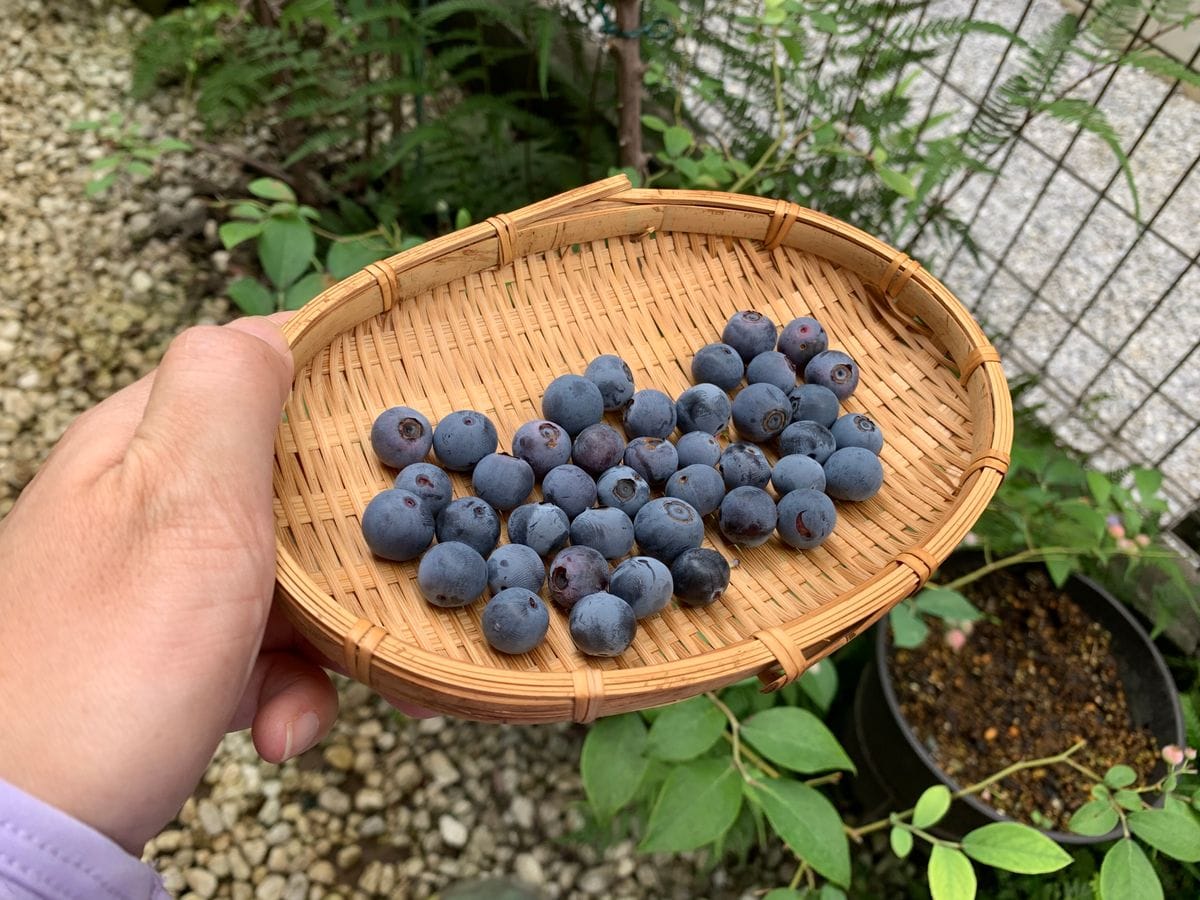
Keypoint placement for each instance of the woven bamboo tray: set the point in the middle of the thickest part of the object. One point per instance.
(485, 317)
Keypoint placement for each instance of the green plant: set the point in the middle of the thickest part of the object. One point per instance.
(130, 152)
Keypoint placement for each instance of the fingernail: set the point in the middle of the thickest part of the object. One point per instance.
(300, 734)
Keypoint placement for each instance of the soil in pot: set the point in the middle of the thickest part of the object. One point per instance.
(1033, 678)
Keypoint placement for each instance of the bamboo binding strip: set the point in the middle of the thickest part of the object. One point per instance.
(485, 317)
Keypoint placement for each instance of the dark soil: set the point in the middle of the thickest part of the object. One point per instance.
(1028, 685)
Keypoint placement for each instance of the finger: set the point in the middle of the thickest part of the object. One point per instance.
(290, 704)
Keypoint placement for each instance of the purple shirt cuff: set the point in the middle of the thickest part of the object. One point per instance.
(47, 855)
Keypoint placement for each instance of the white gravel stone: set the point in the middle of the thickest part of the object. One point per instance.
(453, 832)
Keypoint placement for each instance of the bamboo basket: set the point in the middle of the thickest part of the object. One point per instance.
(485, 317)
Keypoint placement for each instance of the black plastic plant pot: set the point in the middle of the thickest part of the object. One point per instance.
(894, 767)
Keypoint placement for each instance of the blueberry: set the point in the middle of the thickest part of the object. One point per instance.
(749, 333)
(802, 339)
(644, 583)
(515, 565)
(471, 521)
(700, 576)
(718, 364)
(569, 488)
(573, 402)
(542, 526)
(429, 482)
(652, 458)
(451, 574)
(856, 430)
(463, 438)
(703, 407)
(835, 370)
(623, 488)
(701, 486)
(607, 530)
(503, 481)
(697, 448)
(515, 621)
(806, 518)
(396, 525)
(761, 411)
(401, 436)
(748, 516)
(666, 527)
(542, 444)
(797, 472)
(576, 572)
(744, 464)
(814, 403)
(853, 473)
(808, 439)
(650, 413)
(774, 368)
(612, 376)
(597, 449)
(602, 624)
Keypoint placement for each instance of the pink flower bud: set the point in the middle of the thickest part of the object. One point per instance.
(1172, 755)
(1117, 531)
(1143, 540)
(955, 639)
(967, 628)
(1126, 545)
(1189, 752)
(971, 539)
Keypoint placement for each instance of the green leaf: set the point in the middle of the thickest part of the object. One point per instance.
(1060, 568)
(612, 762)
(304, 290)
(784, 894)
(1120, 776)
(251, 297)
(233, 233)
(824, 22)
(1100, 487)
(1148, 482)
(697, 804)
(244, 210)
(931, 806)
(908, 630)
(808, 824)
(897, 181)
(685, 730)
(947, 604)
(676, 140)
(820, 683)
(1094, 818)
(1158, 64)
(547, 25)
(1173, 831)
(1015, 848)
(1129, 800)
(272, 189)
(793, 48)
(654, 123)
(1089, 117)
(795, 739)
(347, 257)
(1191, 718)
(107, 162)
(462, 218)
(951, 876)
(901, 841)
(172, 145)
(98, 186)
(285, 250)
(1126, 874)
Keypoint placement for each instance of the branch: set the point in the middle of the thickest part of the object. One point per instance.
(628, 51)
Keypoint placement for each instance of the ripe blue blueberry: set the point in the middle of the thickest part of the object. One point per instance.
(597, 449)
(429, 482)
(451, 574)
(576, 572)
(802, 339)
(748, 516)
(623, 488)
(697, 448)
(515, 621)
(853, 473)
(471, 521)
(806, 518)
(574, 402)
(515, 565)
(857, 430)
(718, 364)
(703, 407)
(650, 413)
(796, 472)
(835, 370)
(761, 411)
(808, 439)
(543, 445)
(666, 527)
(569, 488)
(542, 526)
(396, 525)
(463, 438)
(503, 481)
(606, 530)
(744, 464)
(602, 624)
(700, 485)
(814, 403)
(644, 583)
(774, 368)
(700, 576)
(401, 436)
(612, 376)
(749, 333)
(652, 458)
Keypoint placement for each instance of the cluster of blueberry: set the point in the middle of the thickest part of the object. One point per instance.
(579, 460)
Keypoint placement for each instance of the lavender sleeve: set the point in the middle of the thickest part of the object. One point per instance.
(47, 855)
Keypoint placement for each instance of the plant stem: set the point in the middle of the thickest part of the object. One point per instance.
(926, 836)
(800, 872)
(734, 738)
(1004, 562)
